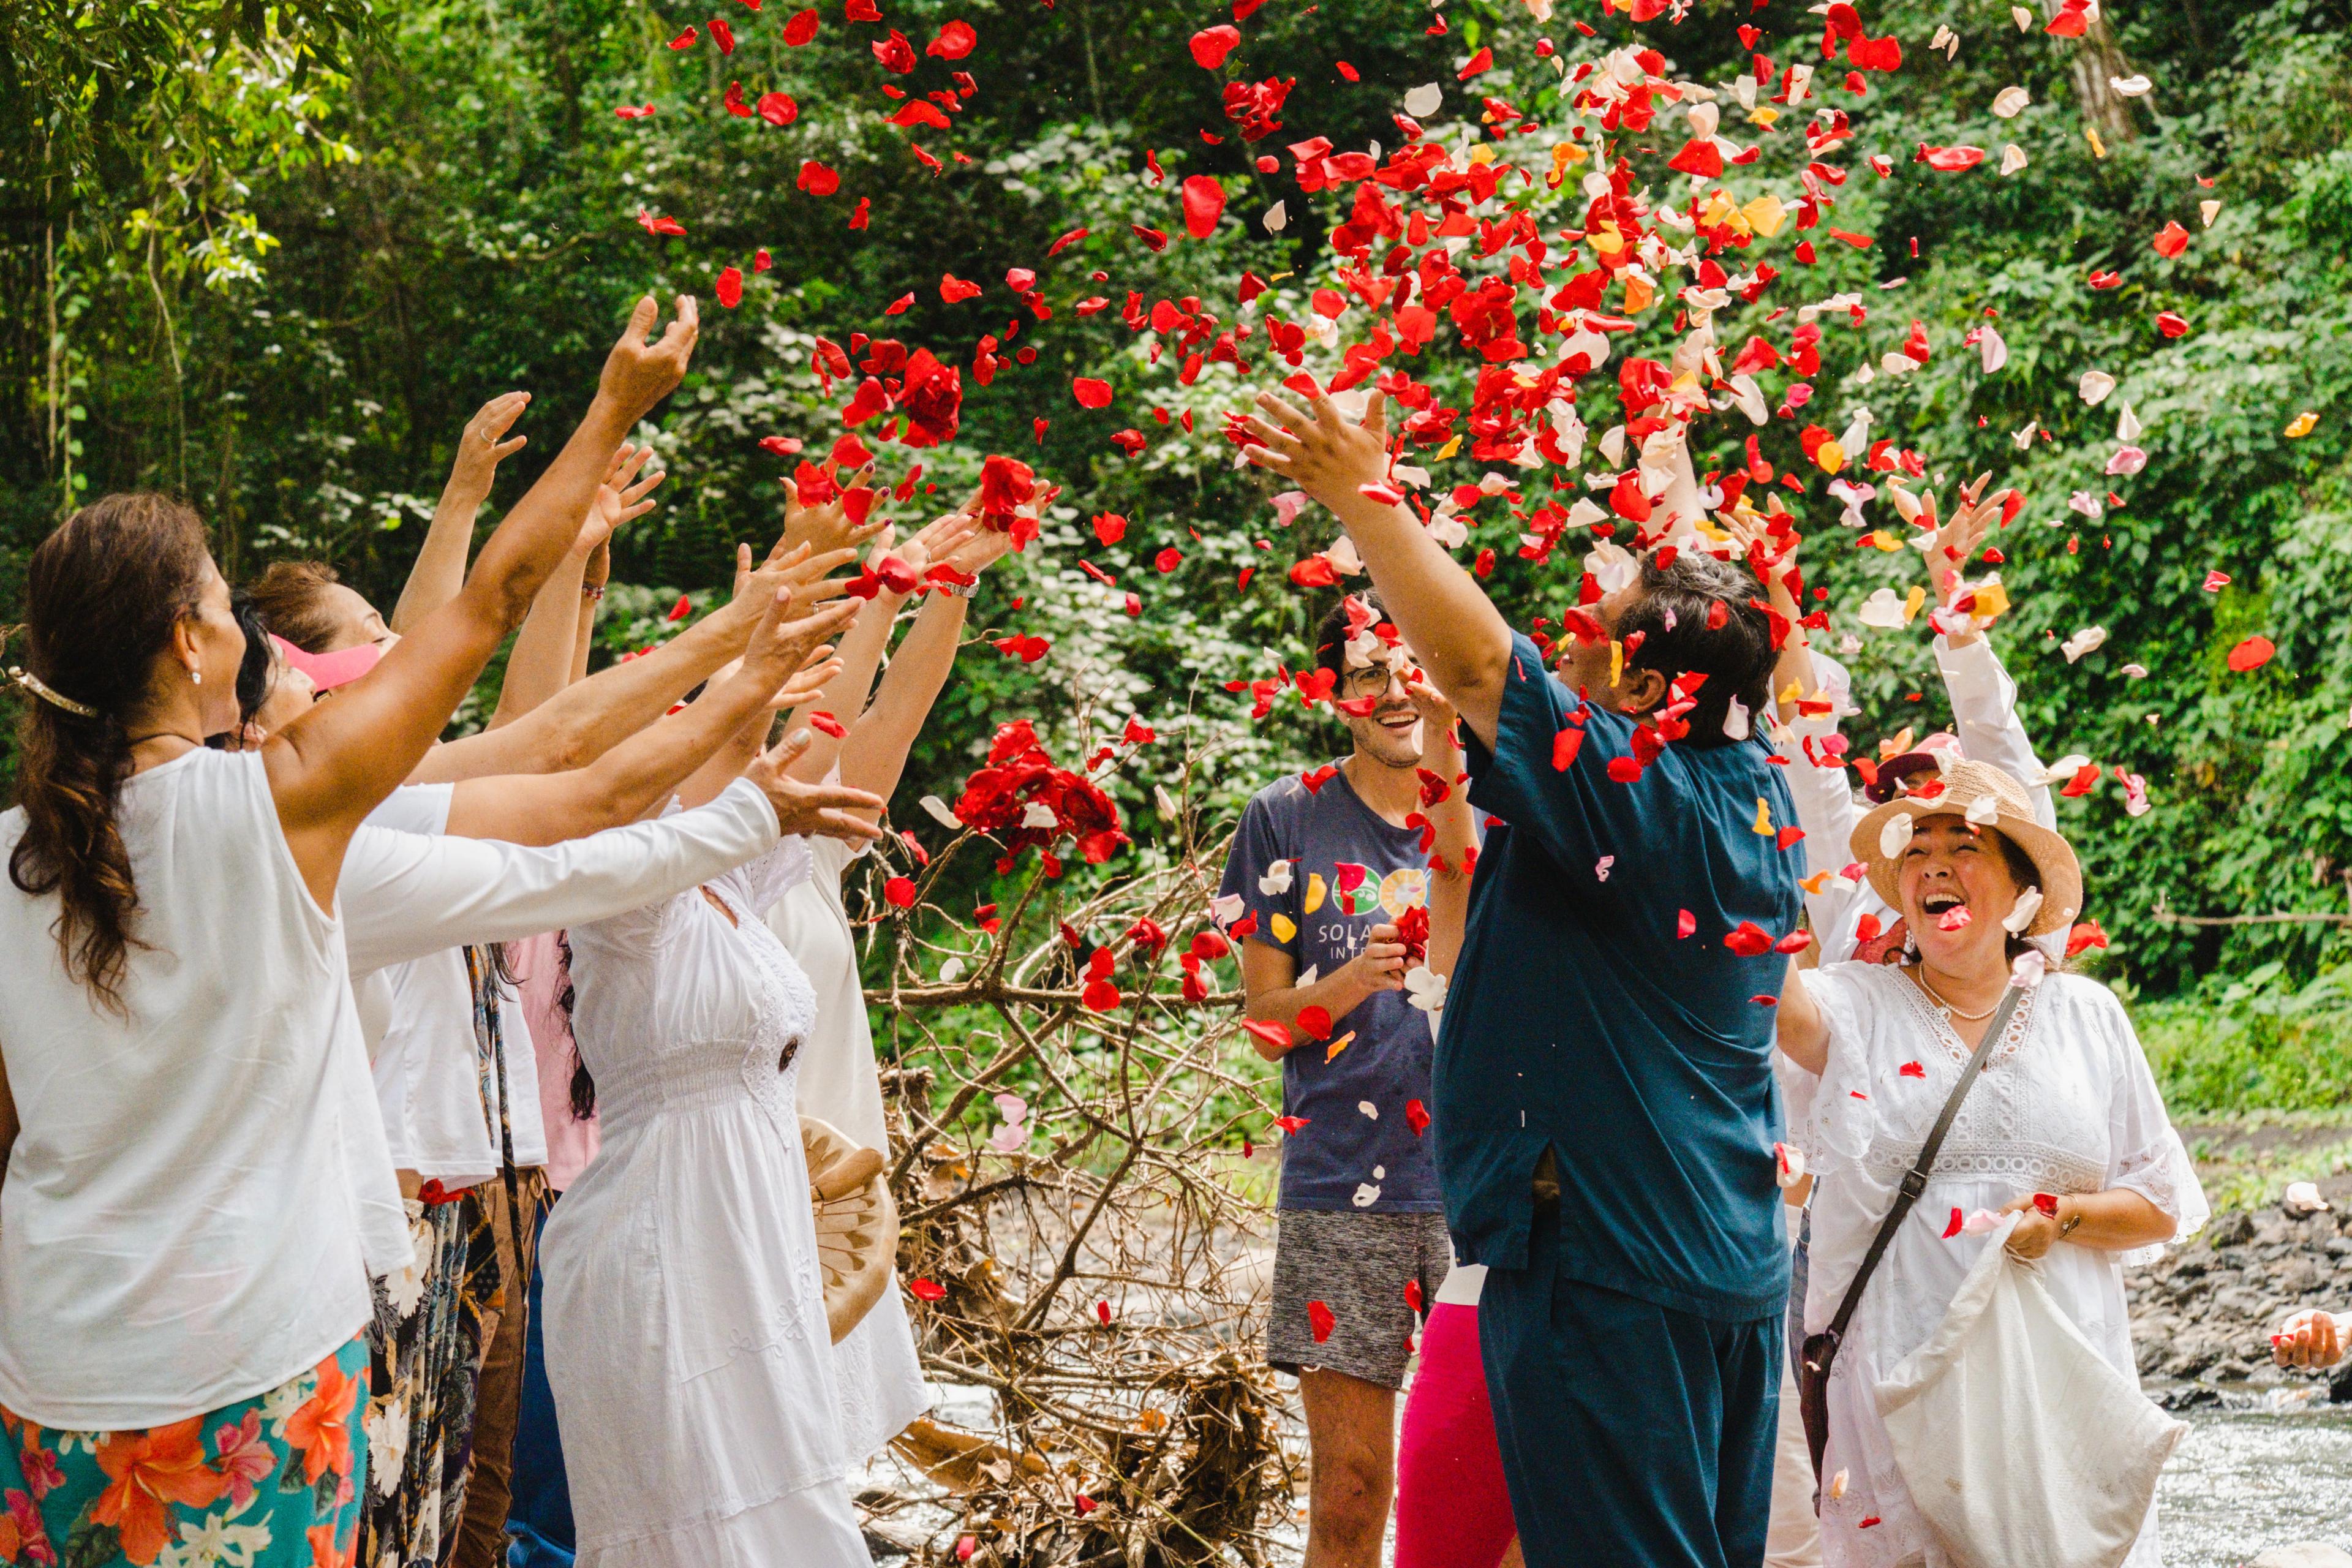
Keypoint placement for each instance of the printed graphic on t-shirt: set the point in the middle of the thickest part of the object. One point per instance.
(1319, 870)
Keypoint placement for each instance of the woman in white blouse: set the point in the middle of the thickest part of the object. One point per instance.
(182, 1257)
(2066, 1108)
(685, 1334)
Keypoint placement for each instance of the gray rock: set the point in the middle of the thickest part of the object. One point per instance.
(2303, 1554)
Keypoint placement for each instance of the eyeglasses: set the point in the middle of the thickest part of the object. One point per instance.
(1369, 682)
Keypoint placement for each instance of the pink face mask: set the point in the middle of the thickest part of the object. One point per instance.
(328, 671)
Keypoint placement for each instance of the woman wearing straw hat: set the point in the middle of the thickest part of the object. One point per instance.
(2063, 1125)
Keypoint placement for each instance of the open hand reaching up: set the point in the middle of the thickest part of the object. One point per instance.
(637, 374)
(819, 810)
(483, 446)
(1320, 451)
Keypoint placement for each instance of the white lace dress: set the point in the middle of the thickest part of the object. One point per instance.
(2067, 1105)
(686, 1332)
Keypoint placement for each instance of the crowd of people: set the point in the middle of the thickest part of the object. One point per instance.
(1739, 1085)
(311, 1019)
(407, 1142)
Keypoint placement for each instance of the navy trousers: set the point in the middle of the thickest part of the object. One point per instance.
(1632, 1435)
(538, 1522)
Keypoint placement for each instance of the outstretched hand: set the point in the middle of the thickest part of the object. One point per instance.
(1958, 539)
(619, 498)
(483, 446)
(827, 527)
(2311, 1338)
(637, 374)
(1437, 715)
(827, 811)
(1320, 451)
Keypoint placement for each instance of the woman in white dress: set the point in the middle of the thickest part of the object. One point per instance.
(686, 1332)
(2066, 1108)
(880, 1371)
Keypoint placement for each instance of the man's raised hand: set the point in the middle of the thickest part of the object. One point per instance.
(1325, 455)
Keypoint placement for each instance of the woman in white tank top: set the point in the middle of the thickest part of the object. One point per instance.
(191, 1203)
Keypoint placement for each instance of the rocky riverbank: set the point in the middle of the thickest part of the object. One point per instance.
(2203, 1314)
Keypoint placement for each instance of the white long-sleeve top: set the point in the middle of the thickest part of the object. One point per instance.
(412, 899)
(1984, 712)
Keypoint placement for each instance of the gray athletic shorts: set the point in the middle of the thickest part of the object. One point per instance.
(1356, 1264)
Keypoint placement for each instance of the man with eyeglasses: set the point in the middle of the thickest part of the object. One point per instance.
(1331, 865)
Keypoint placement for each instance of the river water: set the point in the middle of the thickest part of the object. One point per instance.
(2244, 1480)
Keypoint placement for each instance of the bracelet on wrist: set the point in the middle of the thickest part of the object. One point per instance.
(592, 590)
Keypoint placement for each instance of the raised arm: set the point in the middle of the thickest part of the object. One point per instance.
(1804, 1030)
(873, 756)
(540, 663)
(333, 765)
(1444, 617)
(1454, 853)
(644, 770)
(440, 567)
(580, 722)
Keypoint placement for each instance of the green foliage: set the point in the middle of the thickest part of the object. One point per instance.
(453, 209)
(2254, 1043)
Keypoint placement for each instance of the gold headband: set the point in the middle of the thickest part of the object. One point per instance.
(41, 689)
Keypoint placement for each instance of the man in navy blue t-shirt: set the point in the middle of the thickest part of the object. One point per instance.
(1337, 882)
(1605, 1112)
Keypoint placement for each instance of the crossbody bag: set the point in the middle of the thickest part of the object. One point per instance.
(1820, 1349)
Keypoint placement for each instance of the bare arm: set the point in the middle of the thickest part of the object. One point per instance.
(1456, 826)
(875, 755)
(580, 722)
(644, 770)
(592, 600)
(958, 541)
(1443, 615)
(440, 568)
(1271, 991)
(1804, 1032)
(540, 663)
(333, 765)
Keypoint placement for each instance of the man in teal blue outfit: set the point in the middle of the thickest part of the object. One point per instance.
(1603, 1096)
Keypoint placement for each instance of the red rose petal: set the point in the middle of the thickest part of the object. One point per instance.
(1210, 46)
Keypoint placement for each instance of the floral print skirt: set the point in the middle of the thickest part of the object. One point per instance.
(269, 1482)
(432, 1326)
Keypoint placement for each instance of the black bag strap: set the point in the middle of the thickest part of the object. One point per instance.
(1915, 1181)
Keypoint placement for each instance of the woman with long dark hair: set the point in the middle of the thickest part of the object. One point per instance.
(194, 1193)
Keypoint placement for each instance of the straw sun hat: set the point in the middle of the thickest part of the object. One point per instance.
(1986, 796)
(856, 1223)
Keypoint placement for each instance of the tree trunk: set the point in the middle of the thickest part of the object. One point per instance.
(2097, 58)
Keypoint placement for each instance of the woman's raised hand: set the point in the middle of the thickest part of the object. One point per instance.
(483, 446)
(637, 374)
(810, 809)
(827, 527)
(619, 498)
